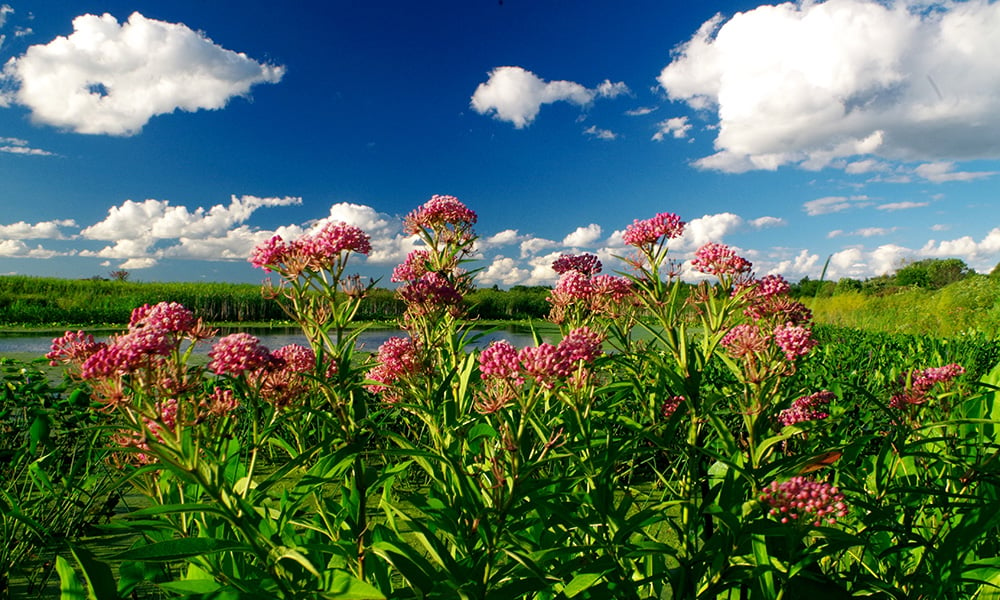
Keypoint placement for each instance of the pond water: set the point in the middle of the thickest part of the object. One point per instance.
(276, 337)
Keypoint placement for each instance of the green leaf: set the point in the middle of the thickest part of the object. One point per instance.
(70, 587)
(581, 582)
(191, 586)
(179, 549)
(345, 586)
(100, 580)
(39, 432)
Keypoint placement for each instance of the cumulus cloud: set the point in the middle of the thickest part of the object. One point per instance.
(516, 95)
(534, 245)
(49, 230)
(642, 110)
(111, 78)
(583, 236)
(808, 83)
(5, 10)
(765, 222)
(502, 271)
(503, 238)
(18, 249)
(832, 204)
(676, 127)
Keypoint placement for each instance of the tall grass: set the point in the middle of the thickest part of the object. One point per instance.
(970, 306)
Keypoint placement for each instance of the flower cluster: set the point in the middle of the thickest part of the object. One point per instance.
(794, 340)
(546, 364)
(324, 249)
(413, 268)
(579, 294)
(439, 213)
(237, 353)
(807, 408)
(719, 260)
(745, 340)
(429, 294)
(585, 264)
(670, 406)
(398, 360)
(804, 501)
(922, 382)
(650, 231)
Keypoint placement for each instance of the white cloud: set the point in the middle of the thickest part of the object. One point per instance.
(503, 238)
(606, 89)
(810, 82)
(981, 255)
(940, 227)
(107, 78)
(534, 245)
(832, 204)
(642, 110)
(5, 10)
(583, 236)
(765, 222)
(504, 271)
(19, 146)
(676, 127)
(516, 95)
(710, 228)
(863, 232)
(18, 249)
(135, 264)
(49, 230)
(894, 206)
(601, 134)
(367, 218)
(940, 172)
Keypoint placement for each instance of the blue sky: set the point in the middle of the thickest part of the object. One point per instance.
(168, 138)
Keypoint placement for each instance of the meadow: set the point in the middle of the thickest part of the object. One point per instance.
(679, 441)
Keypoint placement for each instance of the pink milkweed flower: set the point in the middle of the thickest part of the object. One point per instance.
(439, 212)
(574, 285)
(73, 348)
(922, 382)
(807, 408)
(743, 340)
(804, 501)
(719, 260)
(580, 345)
(271, 253)
(499, 361)
(585, 264)
(794, 340)
(237, 353)
(166, 316)
(649, 231)
(432, 291)
(398, 358)
(413, 268)
(670, 406)
(296, 358)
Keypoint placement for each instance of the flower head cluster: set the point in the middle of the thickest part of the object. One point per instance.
(807, 408)
(745, 340)
(238, 353)
(585, 264)
(438, 213)
(429, 294)
(166, 316)
(413, 268)
(804, 501)
(499, 360)
(546, 364)
(325, 248)
(73, 347)
(398, 359)
(670, 406)
(794, 340)
(719, 260)
(650, 231)
(922, 382)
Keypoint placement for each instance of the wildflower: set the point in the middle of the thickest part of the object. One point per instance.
(411, 269)
(585, 264)
(166, 316)
(499, 361)
(73, 348)
(268, 254)
(744, 340)
(609, 287)
(922, 382)
(644, 233)
(431, 292)
(237, 353)
(574, 285)
(398, 359)
(794, 340)
(220, 402)
(438, 213)
(296, 358)
(807, 408)
(719, 260)
(670, 406)
(804, 501)
(580, 345)
(543, 363)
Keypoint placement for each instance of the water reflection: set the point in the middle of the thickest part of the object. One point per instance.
(276, 337)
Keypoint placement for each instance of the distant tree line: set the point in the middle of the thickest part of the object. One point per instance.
(928, 274)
